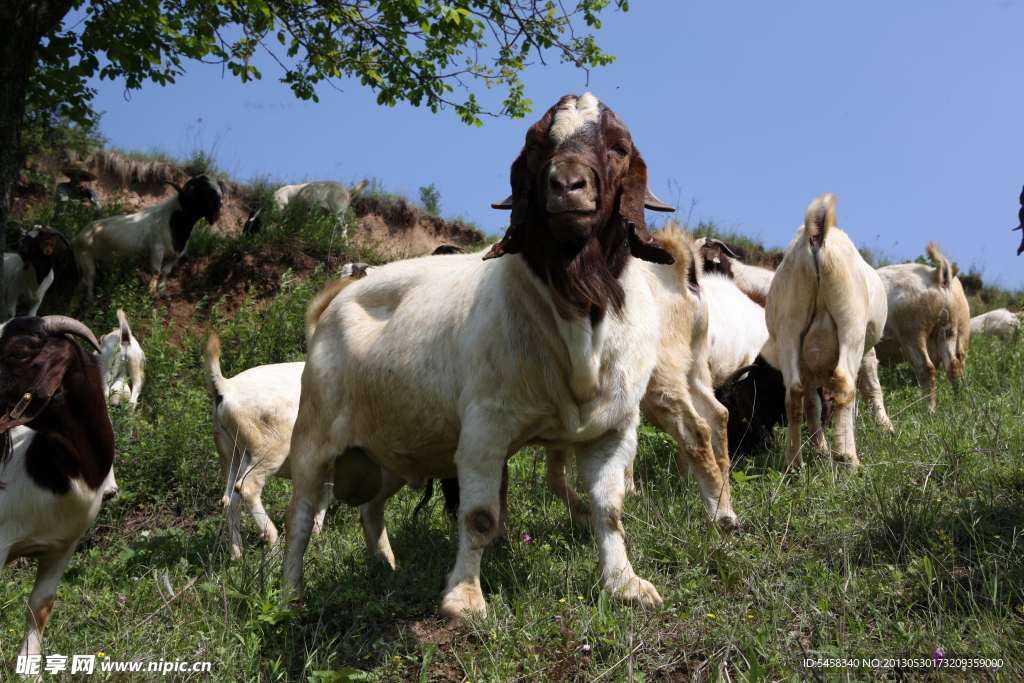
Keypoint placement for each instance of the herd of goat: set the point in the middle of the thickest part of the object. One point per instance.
(562, 334)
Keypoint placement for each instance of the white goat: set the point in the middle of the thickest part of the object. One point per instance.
(29, 272)
(43, 510)
(122, 359)
(825, 311)
(331, 196)
(997, 323)
(736, 327)
(447, 365)
(253, 415)
(162, 231)
(927, 320)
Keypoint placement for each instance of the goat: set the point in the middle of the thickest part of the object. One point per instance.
(253, 415)
(28, 273)
(997, 323)
(121, 360)
(927, 320)
(331, 196)
(825, 311)
(162, 231)
(56, 454)
(447, 365)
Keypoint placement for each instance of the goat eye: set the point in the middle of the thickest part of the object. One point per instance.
(619, 149)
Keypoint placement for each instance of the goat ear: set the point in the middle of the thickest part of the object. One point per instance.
(631, 207)
(52, 363)
(519, 202)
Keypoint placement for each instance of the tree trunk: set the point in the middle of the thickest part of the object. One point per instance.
(23, 23)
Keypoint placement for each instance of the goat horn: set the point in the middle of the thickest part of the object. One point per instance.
(504, 204)
(175, 185)
(654, 204)
(59, 324)
(736, 375)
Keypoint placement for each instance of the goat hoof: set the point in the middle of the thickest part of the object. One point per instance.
(637, 591)
(463, 598)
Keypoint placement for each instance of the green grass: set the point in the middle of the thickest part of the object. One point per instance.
(919, 548)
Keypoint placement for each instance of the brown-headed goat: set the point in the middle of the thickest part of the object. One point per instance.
(56, 452)
(447, 365)
(28, 273)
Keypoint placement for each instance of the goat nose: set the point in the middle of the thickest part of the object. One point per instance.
(568, 183)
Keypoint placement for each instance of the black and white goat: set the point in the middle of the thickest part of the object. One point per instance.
(162, 231)
(56, 452)
(28, 272)
(121, 360)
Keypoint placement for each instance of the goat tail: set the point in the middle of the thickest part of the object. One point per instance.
(320, 303)
(214, 380)
(820, 218)
(688, 267)
(358, 188)
(122, 324)
(943, 269)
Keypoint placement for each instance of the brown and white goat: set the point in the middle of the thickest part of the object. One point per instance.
(447, 365)
(162, 231)
(56, 452)
(928, 320)
(825, 312)
(28, 272)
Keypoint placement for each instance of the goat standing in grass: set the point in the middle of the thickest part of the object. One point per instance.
(28, 273)
(56, 452)
(825, 312)
(162, 231)
(928, 320)
(448, 365)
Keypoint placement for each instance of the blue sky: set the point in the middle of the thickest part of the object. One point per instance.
(911, 112)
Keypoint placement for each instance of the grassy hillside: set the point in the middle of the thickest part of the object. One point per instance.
(921, 548)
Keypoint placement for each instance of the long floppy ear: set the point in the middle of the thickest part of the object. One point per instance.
(52, 363)
(631, 207)
(519, 202)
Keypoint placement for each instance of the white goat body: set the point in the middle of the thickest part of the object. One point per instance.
(926, 322)
(825, 311)
(253, 415)
(429, 358)
(736, 327)
(329, 195)
(122, 360)
(38, 523)
(680, 399)
(997, 323)
(754, 281)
